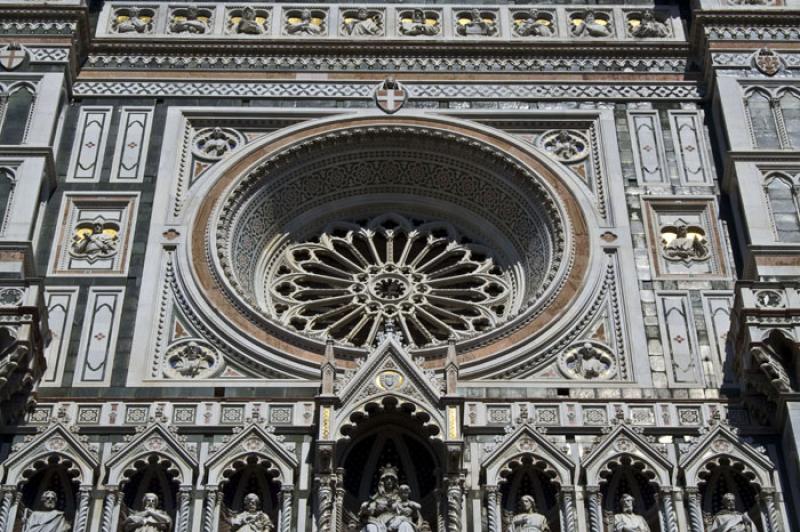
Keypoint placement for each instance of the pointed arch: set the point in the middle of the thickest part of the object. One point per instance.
(763, 122)
(625, 443)
(779, 191)
(526, 443)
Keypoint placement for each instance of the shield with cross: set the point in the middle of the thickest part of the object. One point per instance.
(12, 56)
(390, 96)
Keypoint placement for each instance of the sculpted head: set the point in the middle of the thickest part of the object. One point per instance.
(48, 500)
(362, 14)
(729, 501)
(404, 491)
(527, 504)
(305, 15)
(252, 502)
(627, 503)
(389, 479)
(150, 501)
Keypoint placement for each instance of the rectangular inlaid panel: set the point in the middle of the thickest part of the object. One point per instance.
(648, 147)
(679, 339)
(133, 138)
(99, 338)
(61, 313)
(89, 147)
(691, 150)
(717, 307)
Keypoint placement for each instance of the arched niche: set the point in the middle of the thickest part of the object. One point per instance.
(153, 473)
(627, 474)
(527, 475)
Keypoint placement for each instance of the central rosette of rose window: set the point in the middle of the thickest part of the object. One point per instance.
(431, 280)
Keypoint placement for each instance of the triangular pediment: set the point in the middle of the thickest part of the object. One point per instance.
(252, 440)
(526, 440)
(153, 439)
(722, 441)
(624, 440)
(56, 439)
(390, 370)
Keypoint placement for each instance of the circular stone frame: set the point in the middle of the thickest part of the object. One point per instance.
(212, 272)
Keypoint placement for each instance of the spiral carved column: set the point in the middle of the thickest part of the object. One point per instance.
(493, 509)
(287, 501)
(771, 509)
(109, 506)
(324, 503)
(184, 505)
(595, 509)
(570, 523)
(5, 505)
(455, 495)
(210, 510)
(694, 502)
(82, 516)
(668, 510)
(339, 507)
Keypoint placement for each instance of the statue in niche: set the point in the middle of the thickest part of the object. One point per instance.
(251, 519)
(95, 241)
(248, 25)
(628, 520)
(649, 26)
(418, 25)
(48, 518)
(304, 25)
(189, 23)
(591, 26)
(534, 25)
(729, 520)
(477, 26)
(134, 23)
(363, 24)
(390, 509)
(150, 518)
(685, 246)
(527, 519)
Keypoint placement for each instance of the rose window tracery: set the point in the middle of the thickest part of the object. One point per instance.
(351, 279)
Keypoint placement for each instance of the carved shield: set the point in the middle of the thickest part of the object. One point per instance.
(12, 56)
(767, 62)
(390, 96)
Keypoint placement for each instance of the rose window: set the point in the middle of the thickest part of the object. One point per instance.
(350, 280)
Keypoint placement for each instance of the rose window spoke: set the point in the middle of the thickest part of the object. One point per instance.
(427, 277)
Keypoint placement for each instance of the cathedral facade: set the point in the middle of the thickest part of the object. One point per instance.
(436, 267)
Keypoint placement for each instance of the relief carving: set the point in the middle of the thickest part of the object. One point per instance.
(533, 24)
(647, 25)
(132, 20)
(362, 23)
(476, 24)
(418, 22)
(248, 22)
(588, 361)
(190, 20)
(95, 241)
(683, 242)
(191, 360)
(591, 24)
(305, 22)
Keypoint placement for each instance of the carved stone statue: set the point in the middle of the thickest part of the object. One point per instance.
(390, 509)
(628, 521)
(95, 242)
(649, 26)
(533, 26)
(527, 519)
(47, 519)
(729, 520)
(251, 519)
(248, 25)
(477, 26)
(189, 23)
(685, 247)
(363, 24)
(132, 24)
(418, 25)
(150, 518)
(306, 25)
(591, 26)
(216, 144)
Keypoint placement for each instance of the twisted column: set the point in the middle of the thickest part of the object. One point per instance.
(695, 510)
(109, 505)
(184, 505)
(455, 496)
(668, 510)
(595, 509)
(82, 517)
(771, 509)
(287, 492)
(493, 509)
(5, 505)
(339, 507)
(570, 523)
(324, 503)
(210, 510)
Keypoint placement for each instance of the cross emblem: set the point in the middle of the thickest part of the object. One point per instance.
(12, 56)
(390, 96)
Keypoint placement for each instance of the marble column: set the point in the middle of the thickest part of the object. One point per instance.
(287, 501)
(595, 509)
(325, 503)
(771, 509)
(694, 502)
(210, 510)
(493, 519)
(82, 515)
(110, 505)
(570, 521)
(339, 506)
(8, 493)
(455, 497)
(184, 507)
(668, 510)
